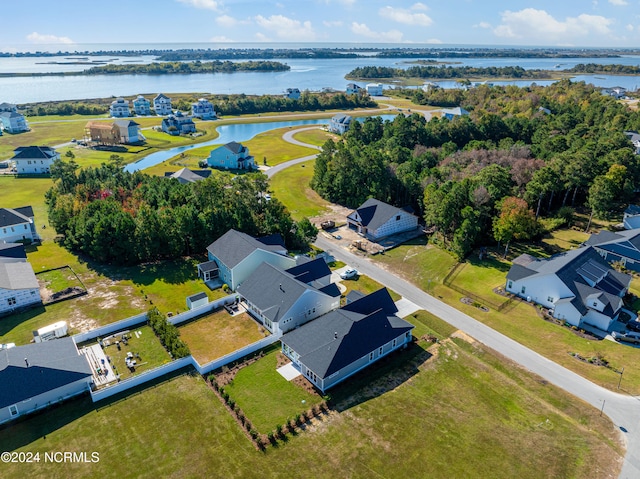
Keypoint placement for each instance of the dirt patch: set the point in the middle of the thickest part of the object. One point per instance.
(464, 336)
(336, 213)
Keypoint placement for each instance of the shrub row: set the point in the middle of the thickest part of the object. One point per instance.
(168, 334)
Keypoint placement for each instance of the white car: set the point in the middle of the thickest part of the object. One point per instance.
(7, 346)
(349, 273)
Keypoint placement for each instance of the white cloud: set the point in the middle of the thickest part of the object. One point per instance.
(392, 36)
(618, 2)
(482, 25)
(203, 4)
(434, 41)
(39, 38)
(630, 27)
(538, 26)
(402, 15)
(220, 39)
(334, 23)
(261, 37)
(287, 28)
(226, 21)
(419, 6)
(347, 3)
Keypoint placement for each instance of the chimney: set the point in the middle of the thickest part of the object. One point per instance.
(26, 361)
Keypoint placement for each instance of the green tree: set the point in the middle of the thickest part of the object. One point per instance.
(515, 221)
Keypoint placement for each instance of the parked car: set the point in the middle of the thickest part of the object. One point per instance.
(349, 273)
(630, 337)
(633, 326)
(7, 345)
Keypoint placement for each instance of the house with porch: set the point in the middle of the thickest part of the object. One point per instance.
(354, 89)
(13, 122)
(141, 106)
(178, 124)
(19, 286)
(376, 219)
(281, 302)
(337, 345)
(235, 256)
(119, 108)
(618, 247)
(203, 109)
(233, 155)
(17, 225)
(34, 160)
(292, 93)
(374, 89)
(129, 131)
(40, 375)
(577, 286)
(162, 104)
(340, 123)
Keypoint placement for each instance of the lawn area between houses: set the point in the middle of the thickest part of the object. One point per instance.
(316, 136)
(460, 411)
(365, 285)
(215, 335)
(291, 187)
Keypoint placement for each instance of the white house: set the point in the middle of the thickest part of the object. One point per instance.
(141, 106)
(376, 219)
(353, 89)
(119, 108)
(337, 345)
(162, 105)
(292, 93)
(18, 286)
(13, 122)
(578, 286)
(634, 138)
(129, 131)
(235, 256)
(451, 113)
(41, 375)
(233, 156)
(281, 302)
(374, 89)
(620, 247)
(17, 225)
(203, 109)
(340, 123)
(34, 159)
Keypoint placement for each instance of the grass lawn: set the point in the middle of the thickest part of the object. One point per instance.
(212, 336)
(271, 146)
(427, 323)
(267, 398)
(58, 279)
(316, 137)
(291, 187)
(462, 413)
(365, 285)
(480, 277)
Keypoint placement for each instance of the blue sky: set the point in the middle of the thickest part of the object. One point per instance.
(33, 23)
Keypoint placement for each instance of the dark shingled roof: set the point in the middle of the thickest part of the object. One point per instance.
(52, 364)
(234, 147)
(233, 246)
(310, 271)
(197, 296)
(624, 243)
(15, 216)
(337, 339)
(632, 210)
(34, 152)
(331, 289)
(374, 213)
(12, 250)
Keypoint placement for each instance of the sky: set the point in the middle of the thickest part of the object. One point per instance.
(31, 25)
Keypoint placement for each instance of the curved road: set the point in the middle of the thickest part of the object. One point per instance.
(623, 410)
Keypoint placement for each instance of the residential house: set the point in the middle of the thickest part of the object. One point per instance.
(162, 105)
(178, 124)
(129, 131)
(340, 123)
(354, 89)
(620, 247)
(281, 302)
(119, 108)
(429, 86)
(292, 93)
(314, 272)
(8, 107)
(141, 106)
(203, 109)
(17, 225)
(13, 122)
(185, 175)
(12, 252)
(235, 256)
(375, 220)
(233, 156)
(116, 133)
(631, 217)
(34, 159)
(374, 89)
(451, 113)
(616, 92)
(578, 286)
(337, 345)
(634, 138)
(41, 375)
(19, 286)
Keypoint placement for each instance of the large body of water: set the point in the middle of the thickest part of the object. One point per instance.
(310, 74)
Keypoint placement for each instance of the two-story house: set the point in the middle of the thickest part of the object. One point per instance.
(375, 220)
(178, 124)
(119, 108)
(17, 225)
(162, 105)
(233, 156)
(203, 109)
(13, 122)
(141, 106)
(34, 159)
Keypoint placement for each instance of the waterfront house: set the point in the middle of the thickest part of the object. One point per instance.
(34, 160)
(577, 286)
(340, 123)
(374, 89)
(233, 156)
(129, 131)
(141, 106)
(185, 175)
(13, 122)
(292, 93)
(162, 105)
(17, 225)
(8, 107)
(353, 89)
(119, 108)
(178, 124)
(203, 109)
(40, 375)
(116, 133)
(375, 220)
(342, 342)
(234, 257)
(19, 286)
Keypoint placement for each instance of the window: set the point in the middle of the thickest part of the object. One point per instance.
(13, 410)
(550, 299)
(394, 343)
(380, 351)
(510, 284)
(398, 218)
(25, 226)
(522, 291)
(371, 356)
(11, 301)
(595, 304)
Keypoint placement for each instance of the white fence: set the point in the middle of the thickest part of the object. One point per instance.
(110, 328)
(237, 354)
(187, 315)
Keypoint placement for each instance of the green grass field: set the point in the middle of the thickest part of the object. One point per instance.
(291, 187)
(316, 137)
(271, 146)
(59, 279)
(365, 285)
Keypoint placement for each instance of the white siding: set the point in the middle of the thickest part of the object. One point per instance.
(599, 320)
(248, 265)
(567, 312)
(540, 289)
(309, 306)
(22, 297)
(406, 222)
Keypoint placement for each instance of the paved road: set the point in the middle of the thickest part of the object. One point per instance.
(623, 410)
(288, 136)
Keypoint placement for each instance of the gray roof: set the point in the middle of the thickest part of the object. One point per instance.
(37, 152)
(624, 243)
(11, 114)
(15, 216)
(341, 118)
(272, 291)
(310, 270)
(52, 364)
(125, 123)
(161, 95)
(18, 275)
(337, 339)
(185, 175)
(197, 296)
(233, 247)
(235, 147)
(374, 213)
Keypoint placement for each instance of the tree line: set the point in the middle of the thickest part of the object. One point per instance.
(162, 68)
(119, 217)
(496, 173)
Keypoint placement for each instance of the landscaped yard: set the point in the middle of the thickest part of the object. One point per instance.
(214, 335)
(365, 285)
